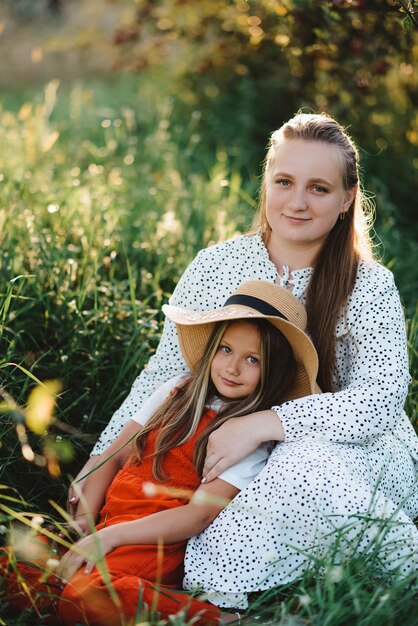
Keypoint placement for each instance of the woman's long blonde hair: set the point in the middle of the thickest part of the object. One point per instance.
(179, 416)
(335, 268)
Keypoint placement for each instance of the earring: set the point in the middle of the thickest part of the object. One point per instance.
(342, 215)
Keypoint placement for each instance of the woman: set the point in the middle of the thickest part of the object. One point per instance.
(343, 454)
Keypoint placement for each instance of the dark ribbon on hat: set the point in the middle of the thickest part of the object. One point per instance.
(255, 303)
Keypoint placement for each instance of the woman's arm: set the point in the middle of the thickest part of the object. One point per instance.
(237, 438)
(167, 527)
(373, 367)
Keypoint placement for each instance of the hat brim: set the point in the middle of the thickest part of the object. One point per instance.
(194, 328)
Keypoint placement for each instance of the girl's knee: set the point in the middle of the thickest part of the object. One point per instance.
(87, 600)
(69, 605)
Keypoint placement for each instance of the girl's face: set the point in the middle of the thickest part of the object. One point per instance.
(236, 370)
(305, 193)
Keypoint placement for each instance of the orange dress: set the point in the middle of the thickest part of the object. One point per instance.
(142, 579)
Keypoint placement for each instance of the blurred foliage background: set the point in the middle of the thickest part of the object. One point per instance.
(131, 135)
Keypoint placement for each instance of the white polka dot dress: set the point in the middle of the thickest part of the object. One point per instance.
(291, 513)
(348, 456)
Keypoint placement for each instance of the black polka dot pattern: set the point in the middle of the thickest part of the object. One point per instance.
(291, 513)
(346, 454)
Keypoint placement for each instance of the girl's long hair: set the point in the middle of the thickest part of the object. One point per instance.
(179, 416)
(335, 268)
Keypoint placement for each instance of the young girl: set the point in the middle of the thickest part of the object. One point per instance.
(246, 356)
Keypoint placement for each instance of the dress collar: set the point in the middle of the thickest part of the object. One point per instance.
(298, 278)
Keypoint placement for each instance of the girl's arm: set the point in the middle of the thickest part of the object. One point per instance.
(97, 482)
(147, 410)
(166, 527)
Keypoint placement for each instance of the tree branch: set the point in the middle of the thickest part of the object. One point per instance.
(408, 12)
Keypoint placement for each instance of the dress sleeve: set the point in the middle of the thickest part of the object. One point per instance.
(372, 364)
(163, 365)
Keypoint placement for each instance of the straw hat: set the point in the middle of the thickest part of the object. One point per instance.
(253, 299)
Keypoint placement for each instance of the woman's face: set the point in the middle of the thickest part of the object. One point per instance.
(304, 193)
(235, 370)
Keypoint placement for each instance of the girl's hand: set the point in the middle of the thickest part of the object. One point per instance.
(83, 525)
(89, 550)
(77, 485)
(76, 528)
(237, 438)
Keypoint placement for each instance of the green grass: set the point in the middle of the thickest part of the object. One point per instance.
(107, 193)
(96, 230)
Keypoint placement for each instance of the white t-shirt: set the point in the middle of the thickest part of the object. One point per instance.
(239, 475)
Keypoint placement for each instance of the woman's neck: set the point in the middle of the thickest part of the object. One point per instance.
(293, 256)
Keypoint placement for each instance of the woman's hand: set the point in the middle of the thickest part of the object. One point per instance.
(76, 486)
(237, 438)
(89, 550)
